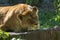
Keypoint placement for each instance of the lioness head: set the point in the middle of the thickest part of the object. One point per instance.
(29, 19)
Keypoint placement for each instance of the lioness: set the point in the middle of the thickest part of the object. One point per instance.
(20, 17)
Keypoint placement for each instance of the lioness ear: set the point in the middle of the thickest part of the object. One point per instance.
(35, 9)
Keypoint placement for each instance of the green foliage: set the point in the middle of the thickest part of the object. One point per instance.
(46, 19)
(32, 2)
(50, 18)
(3, 34)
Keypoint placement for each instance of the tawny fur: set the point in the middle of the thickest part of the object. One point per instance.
(19, 17)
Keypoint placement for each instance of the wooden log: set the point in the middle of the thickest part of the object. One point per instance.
(49, 34)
